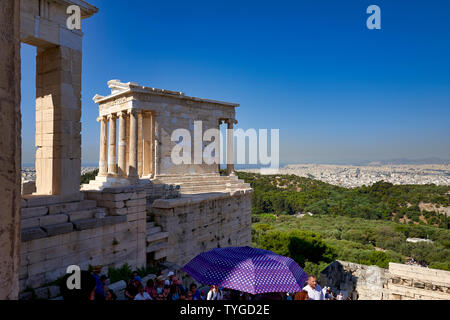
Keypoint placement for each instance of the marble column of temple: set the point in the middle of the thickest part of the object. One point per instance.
(112, 165)
(133, 161)
(230, 146)
(147, 137)
(103, 162)
(122, 161)
(136, 152)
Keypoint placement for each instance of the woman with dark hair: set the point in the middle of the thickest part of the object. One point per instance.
(174, 293)
(150, 288)
(110, 295)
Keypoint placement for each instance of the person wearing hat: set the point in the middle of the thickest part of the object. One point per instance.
(99, 285)
(171, 275)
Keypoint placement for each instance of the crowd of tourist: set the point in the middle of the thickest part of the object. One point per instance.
(414, 262)
(171, 288)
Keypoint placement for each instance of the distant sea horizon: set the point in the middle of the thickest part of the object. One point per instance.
(399, 161)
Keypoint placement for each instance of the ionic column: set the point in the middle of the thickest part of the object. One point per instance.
(103, 161)
(230, 147)
(219, 147)
(156, 145)
(140, 144)
(122, 160)
(112, 166)
(133, 173)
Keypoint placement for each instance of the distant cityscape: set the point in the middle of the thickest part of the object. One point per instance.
(351, 176)
(29, 172)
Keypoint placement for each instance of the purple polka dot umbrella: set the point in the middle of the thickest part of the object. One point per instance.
(247, 269)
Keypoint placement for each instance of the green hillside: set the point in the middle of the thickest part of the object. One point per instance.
(290, 194)
(360, 225)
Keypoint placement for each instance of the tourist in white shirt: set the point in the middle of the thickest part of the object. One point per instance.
(214, 293)
(142, 295)
(314, 290)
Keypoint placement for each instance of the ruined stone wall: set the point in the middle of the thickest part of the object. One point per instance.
(399, 282)
(201, 222)
(107, 228)
(10, 151)
(417, 283)
(355, 280)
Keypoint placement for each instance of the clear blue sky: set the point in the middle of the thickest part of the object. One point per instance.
(337, 91)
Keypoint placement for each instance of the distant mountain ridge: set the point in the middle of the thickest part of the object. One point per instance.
(429, 160)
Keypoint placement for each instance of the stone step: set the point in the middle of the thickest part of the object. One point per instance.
(153, 230)
(181, 179)
(212, 188)
(196, 178)
(210, 191)
(209, 183)
(157, 236)
(150, 224)
(157, 245)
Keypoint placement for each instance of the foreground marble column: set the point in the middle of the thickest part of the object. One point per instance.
(156, 145)
(230, 147)
(122, 144)
(112, 165)
(147, 140)
(140, 144)
(10, 150)
(103, 162)
(133, 161)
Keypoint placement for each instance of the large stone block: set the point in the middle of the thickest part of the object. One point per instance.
(57, 229)
(80, 215)
(30, 223)
(33, 233)
(114, 220)
(33, 212)
(111, 204)
(118, 211)
(53, 219)
(63, 207)
(87, 224)
(136, 203)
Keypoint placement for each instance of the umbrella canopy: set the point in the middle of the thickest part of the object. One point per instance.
(247, 269)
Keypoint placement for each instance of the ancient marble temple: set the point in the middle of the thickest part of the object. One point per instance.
(136, 124)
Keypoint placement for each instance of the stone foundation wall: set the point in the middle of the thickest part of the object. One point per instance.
(108, 228)
(399, 282)
(198, 223)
